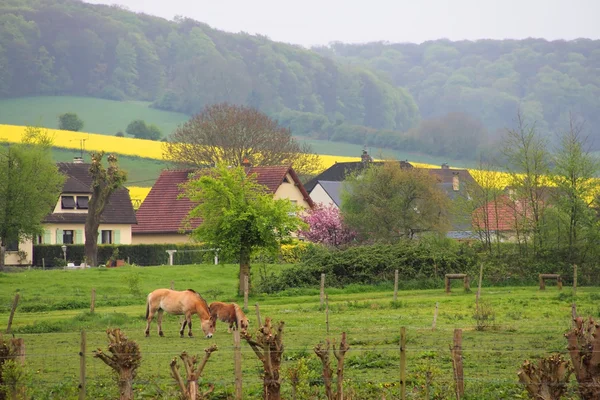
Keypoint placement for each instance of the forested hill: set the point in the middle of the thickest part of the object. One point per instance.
(442, 98)
(490, 79)
(68, 47)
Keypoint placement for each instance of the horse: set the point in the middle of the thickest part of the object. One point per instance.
(186, 302)
(228, 312)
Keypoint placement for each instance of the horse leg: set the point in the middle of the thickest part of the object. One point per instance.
(159, 317)
(188, 317)
(183, 327)
(148, 320)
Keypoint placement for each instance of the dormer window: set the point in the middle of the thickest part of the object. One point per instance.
(67, 202)
(285, 179)
(82, 202)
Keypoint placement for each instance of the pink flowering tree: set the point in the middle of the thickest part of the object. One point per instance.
(326, 226)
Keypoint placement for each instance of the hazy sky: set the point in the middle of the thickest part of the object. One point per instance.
(318, 22)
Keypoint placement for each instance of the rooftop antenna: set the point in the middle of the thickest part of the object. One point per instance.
(81, 145)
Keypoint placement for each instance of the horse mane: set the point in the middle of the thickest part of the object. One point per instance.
(201, 298)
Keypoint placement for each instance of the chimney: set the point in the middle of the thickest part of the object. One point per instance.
(77, 160)
(246, 162)
(445, 166)
(365, 157)
(455, 182)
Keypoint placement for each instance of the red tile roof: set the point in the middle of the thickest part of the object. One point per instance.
(502, 215)
(163, 212)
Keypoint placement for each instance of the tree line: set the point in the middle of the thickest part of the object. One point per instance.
(74, 48)
(489, 80)
(440, 97)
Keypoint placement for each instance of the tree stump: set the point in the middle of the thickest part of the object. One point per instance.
(193, 371)
(584, 349)
(125, 360)
(268, 347)
(548, 379)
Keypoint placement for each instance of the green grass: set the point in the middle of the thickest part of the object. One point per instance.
(99, 115)
(140, 171)
(53, 308)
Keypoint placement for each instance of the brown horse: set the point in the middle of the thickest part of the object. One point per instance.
(228, 312)
(186, 302)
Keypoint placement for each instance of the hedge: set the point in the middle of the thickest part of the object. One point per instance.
(139, 254)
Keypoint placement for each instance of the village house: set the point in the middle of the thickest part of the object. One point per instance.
(65, 224)
(162, 213)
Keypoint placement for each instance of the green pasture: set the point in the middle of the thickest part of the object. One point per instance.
(54, 308)
(99, 115)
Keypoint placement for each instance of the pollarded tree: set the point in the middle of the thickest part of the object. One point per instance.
(238, 214)
(229, 134)
(325, 225)
(387, 203)
(30, 184)
(70, 122)
(105, 181)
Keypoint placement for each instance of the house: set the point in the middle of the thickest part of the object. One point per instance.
(339, 171)
(65, 224)
(505, 216)
(162, 214)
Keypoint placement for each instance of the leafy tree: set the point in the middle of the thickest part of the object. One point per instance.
(70, 122)
(140, 130)
(387, 203)
(30, 184)
(105, 180)
(238, 214)
(230, 134)
(325, 225)
(574, 173)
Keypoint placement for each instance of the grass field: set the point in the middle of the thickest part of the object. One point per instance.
(54, 307)
(99, 115)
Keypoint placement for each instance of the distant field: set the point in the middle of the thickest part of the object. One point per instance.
(99, 115)
(107, 117)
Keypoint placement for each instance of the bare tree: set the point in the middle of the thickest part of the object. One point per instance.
(104, 183)
(527, 160)
(232, 134)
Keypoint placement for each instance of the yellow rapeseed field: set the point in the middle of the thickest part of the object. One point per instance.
(153, 150)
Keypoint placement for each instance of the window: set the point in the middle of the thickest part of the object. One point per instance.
(67, 202)
(12, 246)
(68, 237)
(82, 202)
(106, 237)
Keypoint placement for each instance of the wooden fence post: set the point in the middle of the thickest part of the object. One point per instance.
(322, 289)
(435, 313)
(395, 285)
(457, 364)
(237, 359)
(574, 279)
(43, 263)
(542, 283)
(245, 292)
(12, 312)
(327, 313)
(172, 285)
(573, 313)
(258, 316)
(82, 366)
(403, 363)
(447, 284)
(480, 278)
(93, 302)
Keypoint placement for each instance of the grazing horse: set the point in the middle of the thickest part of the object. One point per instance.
(186, 302)
(228, 312)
